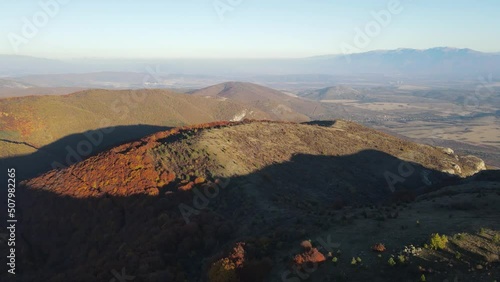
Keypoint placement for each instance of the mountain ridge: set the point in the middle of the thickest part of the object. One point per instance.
(137, 159)
(178, 203)
(446, 61)
(278, 104)
(63, 123)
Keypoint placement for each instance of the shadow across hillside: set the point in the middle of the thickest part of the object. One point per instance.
(368, 176)
(75, 148)
(60, 238)
(324, 123)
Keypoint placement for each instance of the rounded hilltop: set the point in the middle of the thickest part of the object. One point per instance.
(233, 200)
(230, 149)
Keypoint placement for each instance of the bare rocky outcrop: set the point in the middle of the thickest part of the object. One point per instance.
(463, 166)
(472, 165)
(447, 151)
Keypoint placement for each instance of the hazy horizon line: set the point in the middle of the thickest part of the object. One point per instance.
(246, 58)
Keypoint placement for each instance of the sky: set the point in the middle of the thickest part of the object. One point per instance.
(242, 28)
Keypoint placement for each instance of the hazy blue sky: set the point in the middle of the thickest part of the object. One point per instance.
(253, 28)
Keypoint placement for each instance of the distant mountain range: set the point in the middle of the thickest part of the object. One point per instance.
(443, 61)
(434, 61)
